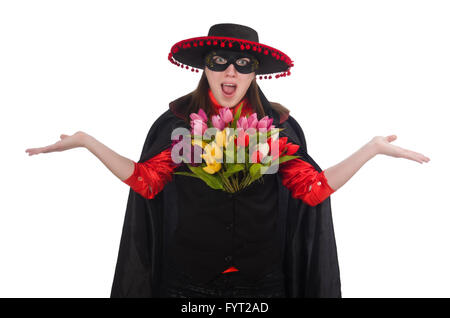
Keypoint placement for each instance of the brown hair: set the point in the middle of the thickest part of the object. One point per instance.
(199, 99)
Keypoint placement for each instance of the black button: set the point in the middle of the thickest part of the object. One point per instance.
(229, 227)
(228, 259)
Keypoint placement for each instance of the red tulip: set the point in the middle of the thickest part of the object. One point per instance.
(256, 157)
(279, 144)
(242, 139)
(291, 149)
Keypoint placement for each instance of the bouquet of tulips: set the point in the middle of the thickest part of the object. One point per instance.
(231, 152)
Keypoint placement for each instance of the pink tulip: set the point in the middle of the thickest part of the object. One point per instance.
(252, 121)
(195, 116)
(265, 123)
(218, 122)
(198, 127)
(201, 115)
(242, 123)
(262, 123)
(226, 115)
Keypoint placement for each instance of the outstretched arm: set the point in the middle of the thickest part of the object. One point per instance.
(147, 178)
(340, 173)
(120, 166)
(307, 184)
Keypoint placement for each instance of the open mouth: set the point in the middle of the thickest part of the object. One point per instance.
(228, 89)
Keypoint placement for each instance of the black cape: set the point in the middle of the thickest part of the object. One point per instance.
(310, 256)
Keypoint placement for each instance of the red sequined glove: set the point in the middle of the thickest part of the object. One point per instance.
(305, 182)
(149, 177)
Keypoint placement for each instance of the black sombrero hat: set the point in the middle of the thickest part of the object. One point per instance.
(235, 37)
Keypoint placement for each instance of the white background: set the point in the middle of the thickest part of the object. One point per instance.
(362, 68)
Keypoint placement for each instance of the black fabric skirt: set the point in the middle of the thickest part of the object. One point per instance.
(176, 284)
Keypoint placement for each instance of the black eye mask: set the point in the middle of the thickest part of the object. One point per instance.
(231, 58)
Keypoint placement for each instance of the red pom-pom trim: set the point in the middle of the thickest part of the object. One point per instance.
(243, 44)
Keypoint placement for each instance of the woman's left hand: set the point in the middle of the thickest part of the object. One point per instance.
(383, 146)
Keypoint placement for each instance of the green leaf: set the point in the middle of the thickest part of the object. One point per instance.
(189, 174)
(237, 115)
(211, 179)
(275, 130)
(255, 170)
(286, 158)
(264, 169)
(232, 169)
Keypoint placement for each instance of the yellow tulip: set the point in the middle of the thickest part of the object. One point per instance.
(212, 153)
(213, 168)
(221, 138)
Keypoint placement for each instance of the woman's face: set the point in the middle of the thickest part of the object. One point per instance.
(228, 95)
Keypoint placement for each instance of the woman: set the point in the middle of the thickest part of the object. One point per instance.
(183, 239)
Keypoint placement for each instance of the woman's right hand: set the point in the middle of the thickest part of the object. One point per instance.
(66, 142)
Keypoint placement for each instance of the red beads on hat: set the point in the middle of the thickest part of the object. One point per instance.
(262, 49)
(276, 76)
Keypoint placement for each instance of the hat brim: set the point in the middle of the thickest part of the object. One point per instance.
(191, 52)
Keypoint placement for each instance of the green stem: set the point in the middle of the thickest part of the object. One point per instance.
(247, 180)
(233, 182)
(226, 184)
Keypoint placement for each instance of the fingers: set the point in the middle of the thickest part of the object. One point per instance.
(391, 138)
(408, 154)
(420, 158)
(33, 151)
(36, 151)
(46, 149)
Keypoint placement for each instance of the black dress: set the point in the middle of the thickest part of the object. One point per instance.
(281, 246)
